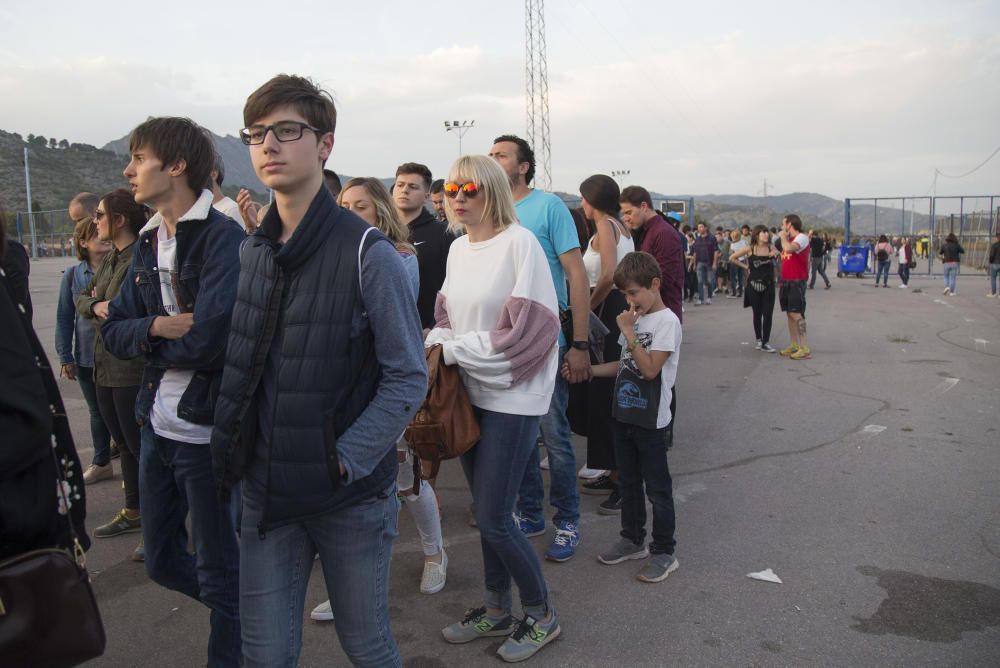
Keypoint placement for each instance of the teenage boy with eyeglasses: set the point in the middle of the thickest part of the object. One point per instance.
(547, 217)
(174, 309)
(324, 368)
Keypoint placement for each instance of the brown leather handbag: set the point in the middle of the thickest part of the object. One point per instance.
(445, 426)
(48, 614)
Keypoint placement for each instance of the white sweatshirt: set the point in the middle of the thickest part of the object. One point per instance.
(498, 319)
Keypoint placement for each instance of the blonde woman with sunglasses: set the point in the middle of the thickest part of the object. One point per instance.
(497, 319)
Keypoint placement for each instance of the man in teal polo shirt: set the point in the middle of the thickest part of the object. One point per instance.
(548, 218)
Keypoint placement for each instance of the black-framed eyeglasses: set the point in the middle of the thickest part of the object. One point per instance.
(283, 131)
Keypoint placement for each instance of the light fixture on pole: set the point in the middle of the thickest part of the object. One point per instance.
(459, 128)
(619, 174)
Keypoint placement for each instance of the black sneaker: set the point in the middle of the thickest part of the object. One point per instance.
(611, 505)
(115, 451)
(599, 487)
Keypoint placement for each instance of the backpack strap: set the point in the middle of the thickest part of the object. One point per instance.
(362, 251)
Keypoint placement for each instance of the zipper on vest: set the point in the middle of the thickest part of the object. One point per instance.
(262, 524)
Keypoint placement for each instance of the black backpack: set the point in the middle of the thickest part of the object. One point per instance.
(881, 255)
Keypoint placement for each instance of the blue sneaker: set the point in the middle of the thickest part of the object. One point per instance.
(528, 527)
(563, 546)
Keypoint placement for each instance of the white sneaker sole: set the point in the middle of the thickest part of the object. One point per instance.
(549, 638)
(670, 569)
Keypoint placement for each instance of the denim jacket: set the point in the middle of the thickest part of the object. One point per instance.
(208, 269)
(74, 335)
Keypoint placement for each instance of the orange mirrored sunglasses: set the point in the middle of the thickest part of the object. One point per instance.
(468, 188)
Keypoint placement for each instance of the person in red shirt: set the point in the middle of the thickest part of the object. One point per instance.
(794, 275)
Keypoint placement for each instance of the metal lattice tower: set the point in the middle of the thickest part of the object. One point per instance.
(536, 73)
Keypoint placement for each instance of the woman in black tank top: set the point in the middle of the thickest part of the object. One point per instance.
(760, 261)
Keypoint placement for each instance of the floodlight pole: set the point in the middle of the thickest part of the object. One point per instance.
(459, 128)
(619, 175)
(31, 213)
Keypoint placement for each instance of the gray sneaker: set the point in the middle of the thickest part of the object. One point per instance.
(477, 624)
(658, 568)
(766, 347)
(621, 551)
(139, 553)
(119, 525)
(530, 636)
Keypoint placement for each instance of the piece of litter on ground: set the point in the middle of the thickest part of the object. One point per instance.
(874, 429)
(798, 608)
(174, 609)
(766, 575)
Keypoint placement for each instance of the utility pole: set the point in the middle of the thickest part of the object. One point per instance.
(767, 214)
(536, 72)
(31, 213)
(619, 175)
(459, 128)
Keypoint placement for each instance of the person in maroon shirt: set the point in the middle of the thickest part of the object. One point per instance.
(661, 240)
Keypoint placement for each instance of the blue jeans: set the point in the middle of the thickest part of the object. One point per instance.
(175, 478)
(494, 467)
(563, 493)
(994, 274)
(883, 271)
(951, 275)
(904, 273)
(641, 455)
(706, 278)
(98, 430)
(735, 279)
(354, 547)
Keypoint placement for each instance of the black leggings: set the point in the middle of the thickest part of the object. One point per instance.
(117, 406)
(762, 304)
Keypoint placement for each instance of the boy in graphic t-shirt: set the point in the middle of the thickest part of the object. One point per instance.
(644, 376)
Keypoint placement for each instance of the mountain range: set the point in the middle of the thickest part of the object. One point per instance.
(60, 169)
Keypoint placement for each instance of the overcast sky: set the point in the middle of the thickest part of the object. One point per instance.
(847, 98)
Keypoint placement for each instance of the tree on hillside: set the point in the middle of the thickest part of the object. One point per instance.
(31, 138)
(53, 143)
(39, 141)
(63, 144)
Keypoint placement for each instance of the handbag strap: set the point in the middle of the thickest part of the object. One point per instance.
(77, 549)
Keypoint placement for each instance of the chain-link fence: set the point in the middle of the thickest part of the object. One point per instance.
(927, 222)
(45, 233)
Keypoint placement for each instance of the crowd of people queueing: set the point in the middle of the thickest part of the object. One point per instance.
(254, 368)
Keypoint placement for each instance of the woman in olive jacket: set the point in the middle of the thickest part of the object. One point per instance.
(119, 220)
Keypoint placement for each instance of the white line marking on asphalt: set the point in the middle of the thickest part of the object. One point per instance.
(981, 342)
(873, 428)
(945, 385)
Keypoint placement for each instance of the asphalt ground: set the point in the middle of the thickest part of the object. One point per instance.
(866, 477)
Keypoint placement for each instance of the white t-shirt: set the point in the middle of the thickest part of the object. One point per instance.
(175, 381)
(229, 207)
(658, 331)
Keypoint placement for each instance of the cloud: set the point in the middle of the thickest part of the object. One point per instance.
(872, 115)
(842, 116)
